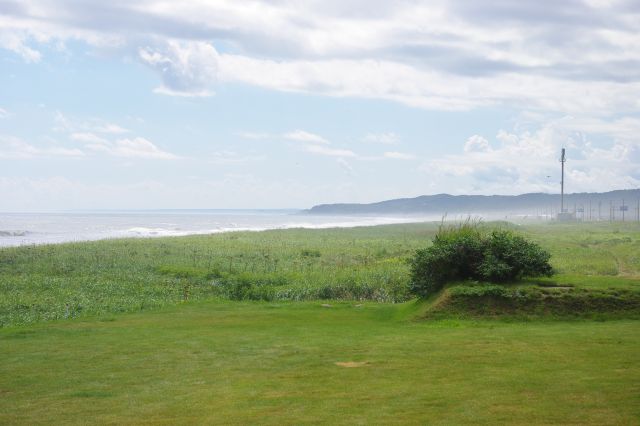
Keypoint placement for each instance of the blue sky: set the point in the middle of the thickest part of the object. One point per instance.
(272, 104)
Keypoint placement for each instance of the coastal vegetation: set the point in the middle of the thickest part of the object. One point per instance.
(65, 281)
(318, 326)
(467, 251)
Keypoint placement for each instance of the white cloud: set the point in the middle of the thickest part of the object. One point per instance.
(187, 68)
(11, 147)
(316, 144)
(64, 152)
(445, 55)
(323, 150)
(254, 135)
(16, 43)
(163, 90)
(140, 147)
(302, 136)
(294, 135)
(398, 155)
(311, 143)
(88, 138)
(15, 148)
(352, 78)
(429, 89)
(4, 113)
(622, 129)
(137, 147)
(527, 161)
(232, 157)
(109, 128)
(442, 55)
(476, 143)
(64, 123)
(389, 138)
(132, 148)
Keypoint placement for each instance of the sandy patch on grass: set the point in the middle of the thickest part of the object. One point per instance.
(352, 364)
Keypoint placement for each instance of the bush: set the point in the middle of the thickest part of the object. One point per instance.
(466, 251)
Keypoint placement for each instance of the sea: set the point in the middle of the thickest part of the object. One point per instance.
(58, 227)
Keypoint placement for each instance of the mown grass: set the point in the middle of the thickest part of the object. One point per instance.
(223, 362)
(40, 283)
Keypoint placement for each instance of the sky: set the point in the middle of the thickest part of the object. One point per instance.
(287, 104)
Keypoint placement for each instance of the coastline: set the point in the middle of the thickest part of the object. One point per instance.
(58, 228)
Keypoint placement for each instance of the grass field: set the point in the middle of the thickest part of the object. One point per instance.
(73, 280)
(162, 331)
(275, 363)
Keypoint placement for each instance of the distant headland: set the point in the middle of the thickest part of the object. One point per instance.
(586, 203)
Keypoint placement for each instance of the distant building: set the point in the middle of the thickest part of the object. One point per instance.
(566, 217)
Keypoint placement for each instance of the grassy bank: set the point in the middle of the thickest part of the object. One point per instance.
(293, 363)
(539, 299)
(40, 283)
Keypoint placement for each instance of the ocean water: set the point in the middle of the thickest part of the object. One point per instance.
(43, 228)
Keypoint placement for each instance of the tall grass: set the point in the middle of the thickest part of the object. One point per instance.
(70, 280)
(370, 263)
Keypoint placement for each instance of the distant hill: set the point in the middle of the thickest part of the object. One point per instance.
(477, 204)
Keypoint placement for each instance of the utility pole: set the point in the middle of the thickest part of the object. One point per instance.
(599, 211)
(562, 161)
(611, 212)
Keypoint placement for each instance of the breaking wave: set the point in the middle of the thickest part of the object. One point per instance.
(4, 233)
(140, 231)
(52, 229)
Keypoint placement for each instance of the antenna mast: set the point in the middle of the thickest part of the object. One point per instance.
(562, 161)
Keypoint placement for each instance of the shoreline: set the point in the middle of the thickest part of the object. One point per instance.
(146, 232)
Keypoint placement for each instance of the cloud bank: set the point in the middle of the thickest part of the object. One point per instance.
(528, 161)
(571, 69)
(578, 57)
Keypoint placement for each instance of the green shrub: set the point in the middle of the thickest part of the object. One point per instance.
(508, 257)
(466, 251)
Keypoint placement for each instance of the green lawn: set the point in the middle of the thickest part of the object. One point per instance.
(275, 363)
